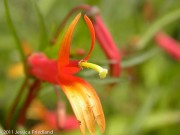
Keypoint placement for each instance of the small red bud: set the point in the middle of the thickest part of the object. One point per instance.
(170, 45)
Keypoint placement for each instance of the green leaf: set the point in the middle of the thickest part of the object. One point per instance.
(44, 37)
(13, 31)
(140, 58)
(157, 26)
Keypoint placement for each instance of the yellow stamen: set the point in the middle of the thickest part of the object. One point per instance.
(102, 72)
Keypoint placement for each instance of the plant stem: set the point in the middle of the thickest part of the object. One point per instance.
(33, 90)
(12, 109)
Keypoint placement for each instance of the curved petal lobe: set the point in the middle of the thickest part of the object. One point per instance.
(63, 55)
(91, 29)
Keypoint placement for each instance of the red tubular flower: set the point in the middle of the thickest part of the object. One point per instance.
(69, 124)
(54, 119)
(83, 98)
(170, 45)
(105, 40)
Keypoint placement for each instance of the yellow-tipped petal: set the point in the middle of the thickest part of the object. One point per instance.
(81, 107)
(97, 107)
(87, 111)
(86, 104)
(72, 97)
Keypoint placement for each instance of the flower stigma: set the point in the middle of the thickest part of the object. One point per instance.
(102, 71)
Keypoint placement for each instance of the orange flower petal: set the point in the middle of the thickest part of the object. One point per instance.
(63, 55)
(81, 108)
(91, 29)
(97, 108)
(85, 103)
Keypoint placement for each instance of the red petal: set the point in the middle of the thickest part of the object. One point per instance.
(46, 69)
(73, 67)
(43, 68)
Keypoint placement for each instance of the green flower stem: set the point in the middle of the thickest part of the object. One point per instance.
(157, 26)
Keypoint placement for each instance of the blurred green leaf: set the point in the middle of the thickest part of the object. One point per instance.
(138, 59)
(13, 31)
(157, 26)
(44, 36)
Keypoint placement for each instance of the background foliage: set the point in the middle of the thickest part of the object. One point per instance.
(145, 99)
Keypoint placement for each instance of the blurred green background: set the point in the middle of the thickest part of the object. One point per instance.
(145, 100)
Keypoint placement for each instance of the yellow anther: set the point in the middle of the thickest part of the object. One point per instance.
(102, 72)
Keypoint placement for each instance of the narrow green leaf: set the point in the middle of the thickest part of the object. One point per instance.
(46, 6)
(140, 58)
(133, 60)
(13, 31)
(107, 80)
(144, 112)
(161, 119)
(44, 36)
(158, 25)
